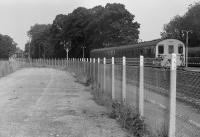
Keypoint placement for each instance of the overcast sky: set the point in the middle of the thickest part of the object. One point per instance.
(17, 16)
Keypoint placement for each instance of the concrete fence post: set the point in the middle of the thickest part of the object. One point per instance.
(81, 65)
(98, 73)
(124, 80)
(141, 87)
(93, 75)
(78, 61)
(104, 74)
(67, 63)
(87, 66)
(72, 64)
(90, 67)
(78, 65)
(172, 104)
(55, 62)
(84, 71)
(113, 78)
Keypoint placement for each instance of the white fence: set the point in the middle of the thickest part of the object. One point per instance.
(165, 97)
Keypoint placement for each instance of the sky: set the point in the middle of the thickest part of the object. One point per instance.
(17, 16)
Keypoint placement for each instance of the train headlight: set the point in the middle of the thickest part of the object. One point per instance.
(181, 57)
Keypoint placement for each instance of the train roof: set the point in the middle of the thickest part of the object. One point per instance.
(143, 44)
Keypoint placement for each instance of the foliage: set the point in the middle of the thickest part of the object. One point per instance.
(40, 45)
(189, 21)
(129, 119)
(7, 46)
(97, 27)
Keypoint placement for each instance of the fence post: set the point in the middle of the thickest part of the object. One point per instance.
(54, 62)
(172, 105)
(124, 80)
(98, 73)
(84, 72)
(73, 64)
(90, 67)
(104, 74)
(93, 75)
(141, 87)
(113, 78)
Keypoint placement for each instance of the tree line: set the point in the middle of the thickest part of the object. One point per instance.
(83, 28)
(190, 22)
(99, 27)
(7, 46)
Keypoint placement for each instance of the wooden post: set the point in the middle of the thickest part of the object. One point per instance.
(124, 80)
(141, 87)
(113, 78)
(172, 104)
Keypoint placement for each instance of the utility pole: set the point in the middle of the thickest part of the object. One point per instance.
(67, 46)
(186, 46)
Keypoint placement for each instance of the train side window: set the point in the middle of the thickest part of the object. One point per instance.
(141, 51)
(180, 49)
(160, 49)
(171, 49)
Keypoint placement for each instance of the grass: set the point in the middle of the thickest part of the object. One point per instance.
(129, 119)
(126, 115)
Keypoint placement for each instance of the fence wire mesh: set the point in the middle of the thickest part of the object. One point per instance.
(118, 79)
(156, 88)
(132, 73)
(188, 103)
(156, 97)
(108, 80)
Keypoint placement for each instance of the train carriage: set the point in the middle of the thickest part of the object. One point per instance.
(160, 50)
(165, 48)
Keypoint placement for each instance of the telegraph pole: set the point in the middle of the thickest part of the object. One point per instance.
(67, 48)
(186, 46)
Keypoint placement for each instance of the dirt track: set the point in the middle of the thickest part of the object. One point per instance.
(41, 102)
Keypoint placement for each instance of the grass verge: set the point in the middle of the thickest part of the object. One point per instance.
(125, 114)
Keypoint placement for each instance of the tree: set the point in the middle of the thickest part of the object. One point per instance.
(87, 29)
(112, 26)
(189, 21)
(7, 46)
(40, 45)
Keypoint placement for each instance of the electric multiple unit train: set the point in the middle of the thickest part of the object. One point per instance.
(160, 50)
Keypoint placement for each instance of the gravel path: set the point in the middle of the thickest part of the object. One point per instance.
(42, 102)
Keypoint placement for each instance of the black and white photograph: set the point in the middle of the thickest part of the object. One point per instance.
(99, 68)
